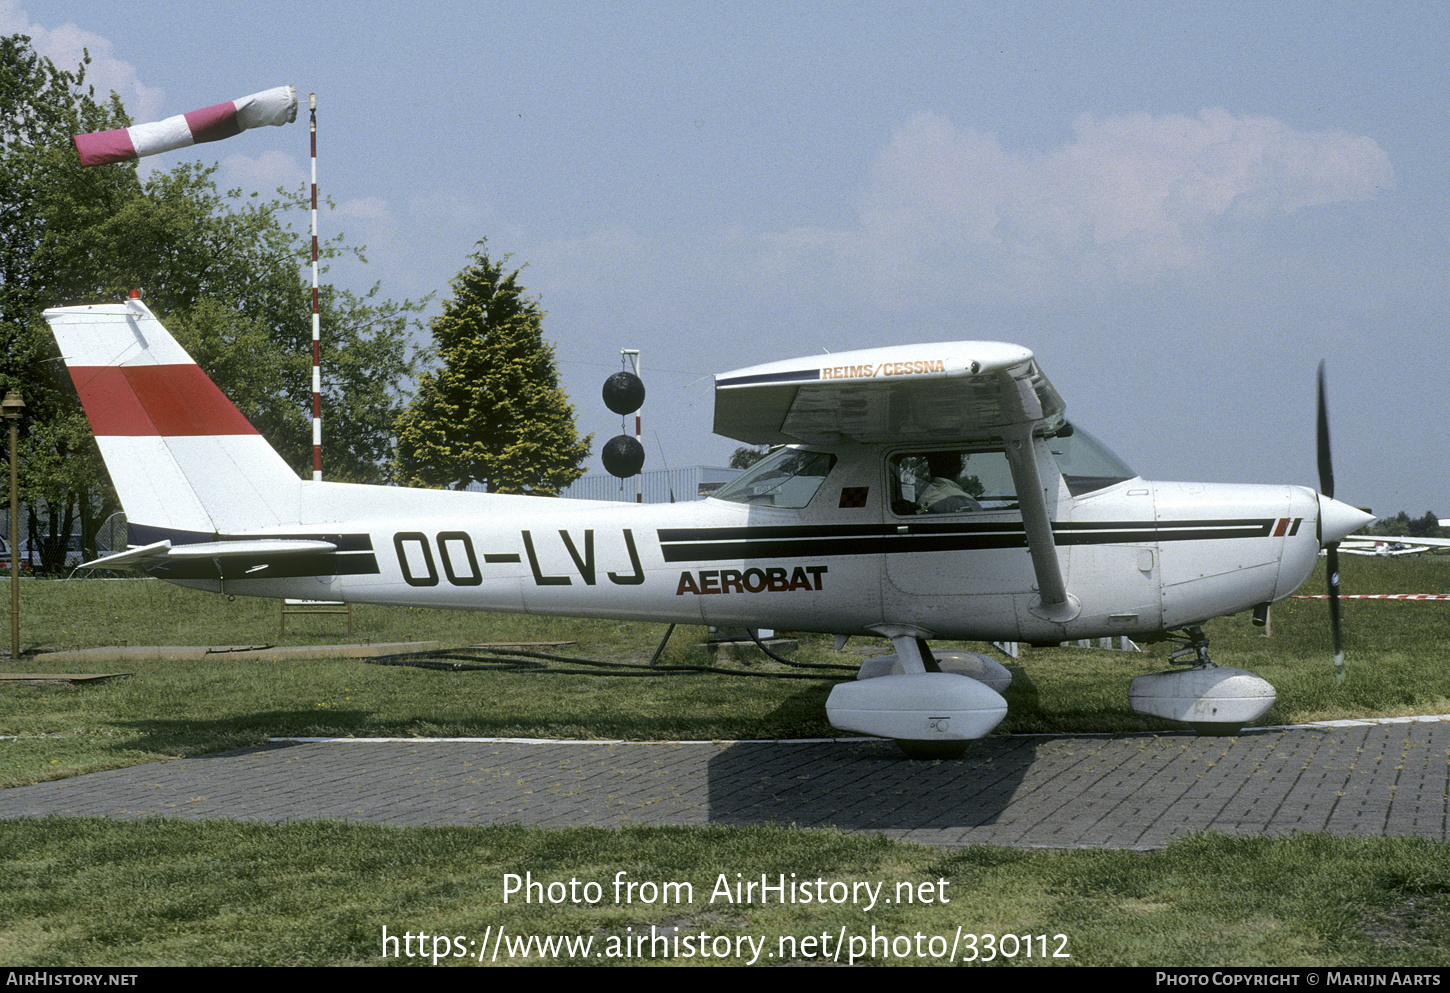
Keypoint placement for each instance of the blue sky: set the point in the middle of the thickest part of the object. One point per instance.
(1180, 209)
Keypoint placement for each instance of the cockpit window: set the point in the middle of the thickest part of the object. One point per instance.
(955, 481)
(951, 482)
(1086, 463)
(787, 478)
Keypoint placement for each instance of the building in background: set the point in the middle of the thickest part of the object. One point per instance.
(660, 485)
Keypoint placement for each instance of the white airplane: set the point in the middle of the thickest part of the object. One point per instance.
(1047, 537)
(1386, 547)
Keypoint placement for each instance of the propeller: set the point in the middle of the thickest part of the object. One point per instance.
(1326, 489)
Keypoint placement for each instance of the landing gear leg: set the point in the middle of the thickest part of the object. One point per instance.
(916, 656)
(1197, 648)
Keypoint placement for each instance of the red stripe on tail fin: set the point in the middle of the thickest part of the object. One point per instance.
(155, 400)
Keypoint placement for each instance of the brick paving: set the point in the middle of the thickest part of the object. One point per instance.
(1130, 791)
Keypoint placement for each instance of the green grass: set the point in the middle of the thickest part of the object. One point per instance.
(57, 615)
(168, 709)
(165, 892)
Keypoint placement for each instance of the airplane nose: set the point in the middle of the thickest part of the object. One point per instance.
(1339, 519)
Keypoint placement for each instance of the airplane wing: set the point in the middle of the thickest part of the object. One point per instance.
(957, 391)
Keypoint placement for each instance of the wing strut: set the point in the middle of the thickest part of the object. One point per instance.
(1056, 603)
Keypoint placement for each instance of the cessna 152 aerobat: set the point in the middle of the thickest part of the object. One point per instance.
(929, 491)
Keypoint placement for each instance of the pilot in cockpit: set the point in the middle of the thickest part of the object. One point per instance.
(944, 495)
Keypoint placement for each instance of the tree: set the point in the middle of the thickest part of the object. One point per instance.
(224, 272)
(263, 362)
(1402, 525)
(225, 275)
(45, 199)
(744, 457)
(494, 413)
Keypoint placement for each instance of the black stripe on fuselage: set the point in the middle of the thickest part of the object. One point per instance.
(794, 541)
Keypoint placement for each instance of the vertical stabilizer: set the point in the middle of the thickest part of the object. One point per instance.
(182, 457)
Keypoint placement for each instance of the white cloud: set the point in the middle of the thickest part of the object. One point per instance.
(602, 261)
(366, 208)
(66, 47)
(264, 172)
(1130, 199)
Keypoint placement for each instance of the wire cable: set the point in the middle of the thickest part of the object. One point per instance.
(519, 660)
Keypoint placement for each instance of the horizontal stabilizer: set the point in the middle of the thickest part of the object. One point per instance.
(162, 552)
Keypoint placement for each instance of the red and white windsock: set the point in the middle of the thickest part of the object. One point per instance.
(276, 106)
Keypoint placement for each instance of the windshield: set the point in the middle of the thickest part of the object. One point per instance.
(786, 478)
(1086, 463)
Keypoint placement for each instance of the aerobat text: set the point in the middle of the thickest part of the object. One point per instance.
(774, 580)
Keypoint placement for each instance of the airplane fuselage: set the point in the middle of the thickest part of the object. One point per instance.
(1140, 557)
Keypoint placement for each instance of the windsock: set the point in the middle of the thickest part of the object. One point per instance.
(275, 106)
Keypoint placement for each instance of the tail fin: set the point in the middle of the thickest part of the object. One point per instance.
(181, 455)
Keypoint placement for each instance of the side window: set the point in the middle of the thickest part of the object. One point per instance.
(786, 478)
(951, 482)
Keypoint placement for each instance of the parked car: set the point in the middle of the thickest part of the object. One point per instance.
(73, 553)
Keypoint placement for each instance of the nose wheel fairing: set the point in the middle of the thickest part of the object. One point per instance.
(1213, 700)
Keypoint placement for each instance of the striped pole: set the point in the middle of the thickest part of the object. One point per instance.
(631, 355)
(316, 319)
